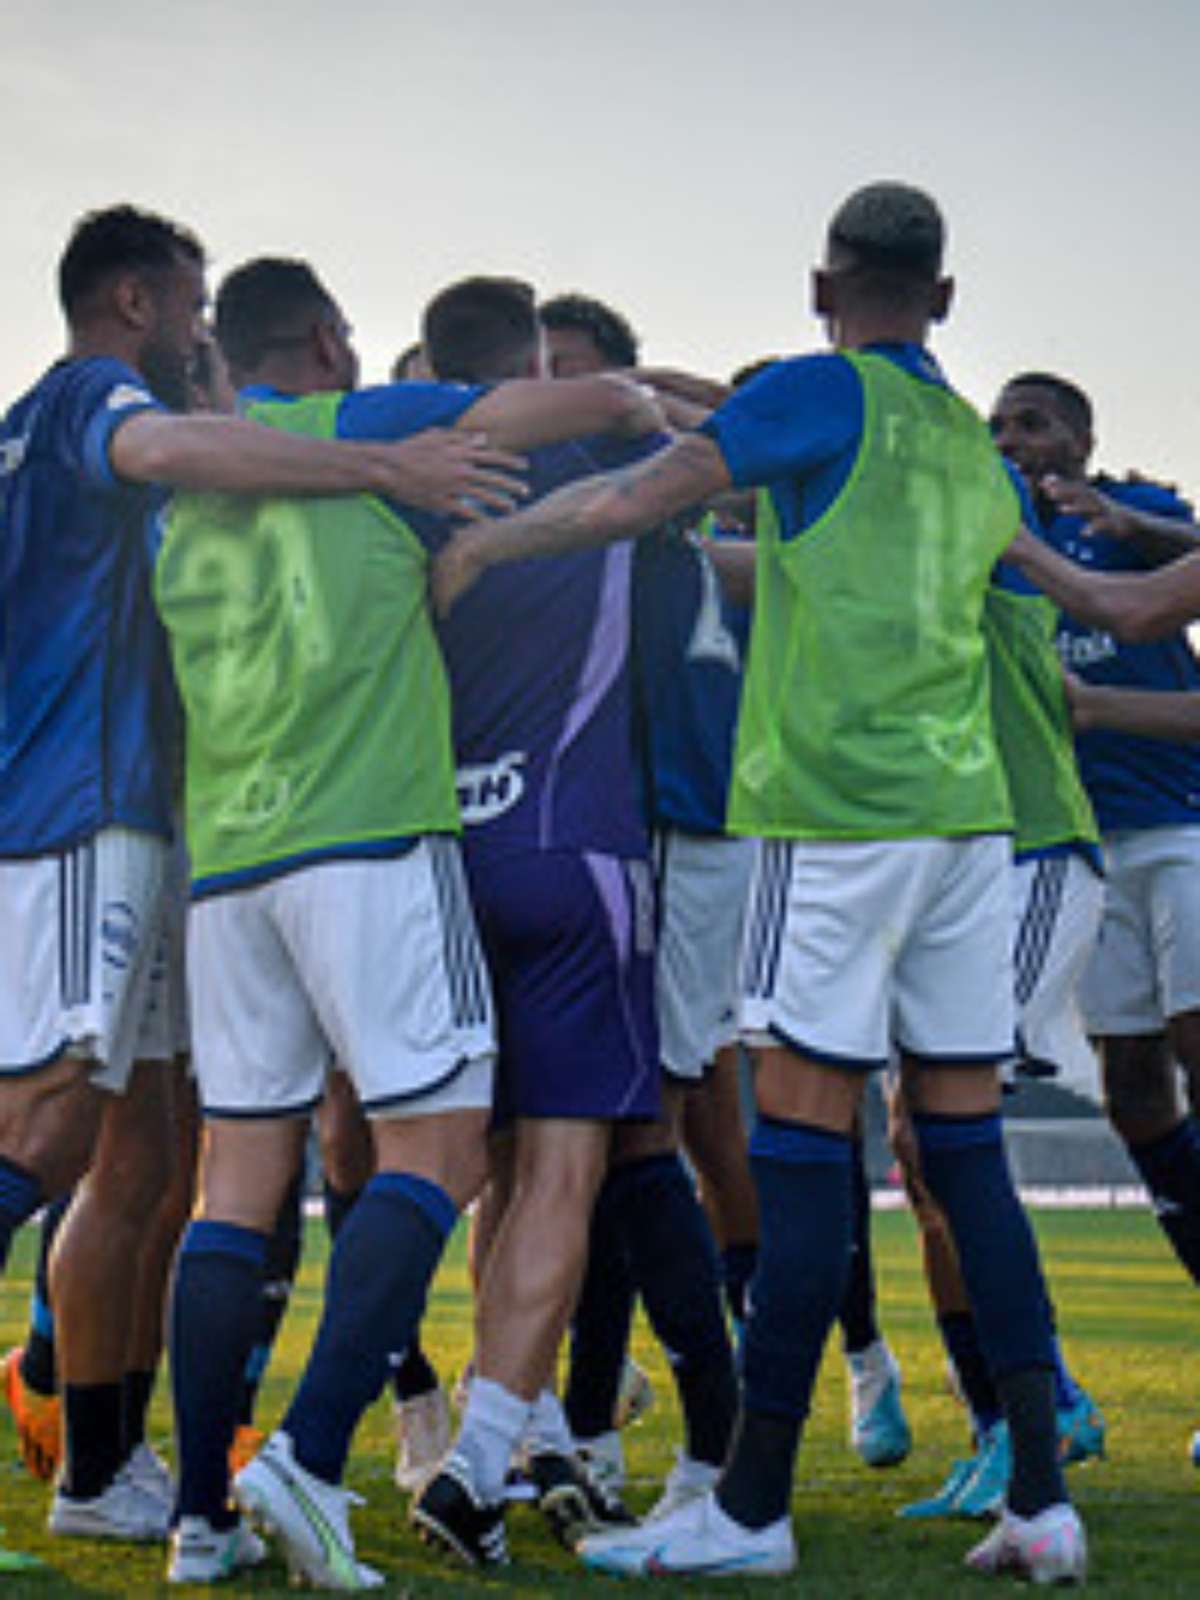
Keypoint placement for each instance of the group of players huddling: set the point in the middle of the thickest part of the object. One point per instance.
(529, 730)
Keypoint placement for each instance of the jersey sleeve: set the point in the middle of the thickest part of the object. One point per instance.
(793, 419)
(395, 410)
(102, 395)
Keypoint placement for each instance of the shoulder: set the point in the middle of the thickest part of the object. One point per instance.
(394, 410)
(1143, 494)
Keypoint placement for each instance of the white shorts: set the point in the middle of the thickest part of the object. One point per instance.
(703, 885)
(81, 965)
(853, 947)
(1146, 965)
(1057, 902)
(373, 962)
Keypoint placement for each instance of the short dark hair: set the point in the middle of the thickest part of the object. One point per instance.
(480, 329)
(402, 366)
(1073, 404)
(890, 228)
(265, 303)
(119, 239)
(610, 331)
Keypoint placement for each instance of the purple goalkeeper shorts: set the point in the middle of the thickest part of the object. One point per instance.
(569, 941)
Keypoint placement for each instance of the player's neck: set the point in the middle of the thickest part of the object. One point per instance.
(855, 330)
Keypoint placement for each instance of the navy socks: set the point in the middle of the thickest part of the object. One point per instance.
(383, 1259)
(213, 1316)
(802, 1174)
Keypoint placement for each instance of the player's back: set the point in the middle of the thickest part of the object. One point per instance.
(88, 708)
(538, 660)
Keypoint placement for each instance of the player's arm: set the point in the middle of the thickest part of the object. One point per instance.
(530, 411)
(1131, 606)
(705, 393)
(734, 562)
(591, 511)
(1155, 714)
(1156, 538)
(438, 469)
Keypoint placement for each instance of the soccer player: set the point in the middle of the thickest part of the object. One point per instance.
(1141, 993)
(1058, 891)
(85, 808)
(329, 913)
(686, 662)
(881, 914)
(558, 862)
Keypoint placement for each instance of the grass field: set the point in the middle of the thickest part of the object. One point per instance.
(1130, 1323)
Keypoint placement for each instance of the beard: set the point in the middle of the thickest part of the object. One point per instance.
(166, 371)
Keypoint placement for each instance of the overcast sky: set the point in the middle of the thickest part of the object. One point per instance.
(679, 160)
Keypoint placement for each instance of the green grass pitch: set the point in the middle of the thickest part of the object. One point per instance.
(1129, 1322)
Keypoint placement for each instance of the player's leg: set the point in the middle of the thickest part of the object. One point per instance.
(673, 1264)
(1142, 997)
(391, 962)
(879, 1429)
(716, 1142)
(30, 1371)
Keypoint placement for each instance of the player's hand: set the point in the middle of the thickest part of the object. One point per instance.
(1078, 704)
(456, 473)
(1079, 499)
(643, 414)
(455, 568)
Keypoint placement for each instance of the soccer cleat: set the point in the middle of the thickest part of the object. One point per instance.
(699, 1539)
(1080, 1432)
(37, 1418)
(635, 1395)
(422, 1438)
(148, 1472)
(983, 1493)
(572, 1499)
(879, 1429)
(122, 1511)
(687, 1480)
(448, 1513)
(247, 1442)
(943, 1502)
(310, 1518)
(1048, 1548)
(201, 1553)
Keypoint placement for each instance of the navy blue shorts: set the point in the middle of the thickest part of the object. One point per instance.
(569, 941)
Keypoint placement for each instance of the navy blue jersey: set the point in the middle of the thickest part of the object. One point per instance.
(688, 648)
(1132, 782)
(88, 719)
(538, 659)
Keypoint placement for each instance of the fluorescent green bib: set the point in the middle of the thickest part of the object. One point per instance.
(317, 708)
(865, 705)
(1033, 727)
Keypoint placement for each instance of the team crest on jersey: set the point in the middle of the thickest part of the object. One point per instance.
(486, 791)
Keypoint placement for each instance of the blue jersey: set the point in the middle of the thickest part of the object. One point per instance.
(796, 429)
(538, 659)
(88, 718)
(1132, 782)
(688, 646)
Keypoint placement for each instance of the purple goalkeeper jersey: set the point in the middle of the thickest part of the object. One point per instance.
(538, 659)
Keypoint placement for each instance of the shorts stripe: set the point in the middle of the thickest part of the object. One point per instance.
(1036, 932)
(76, 909)
(767, 917)
(465, 973)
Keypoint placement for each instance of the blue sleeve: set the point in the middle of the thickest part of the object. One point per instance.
(101, 395)
(395, 410)
(1154, 498)
(793, 419)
